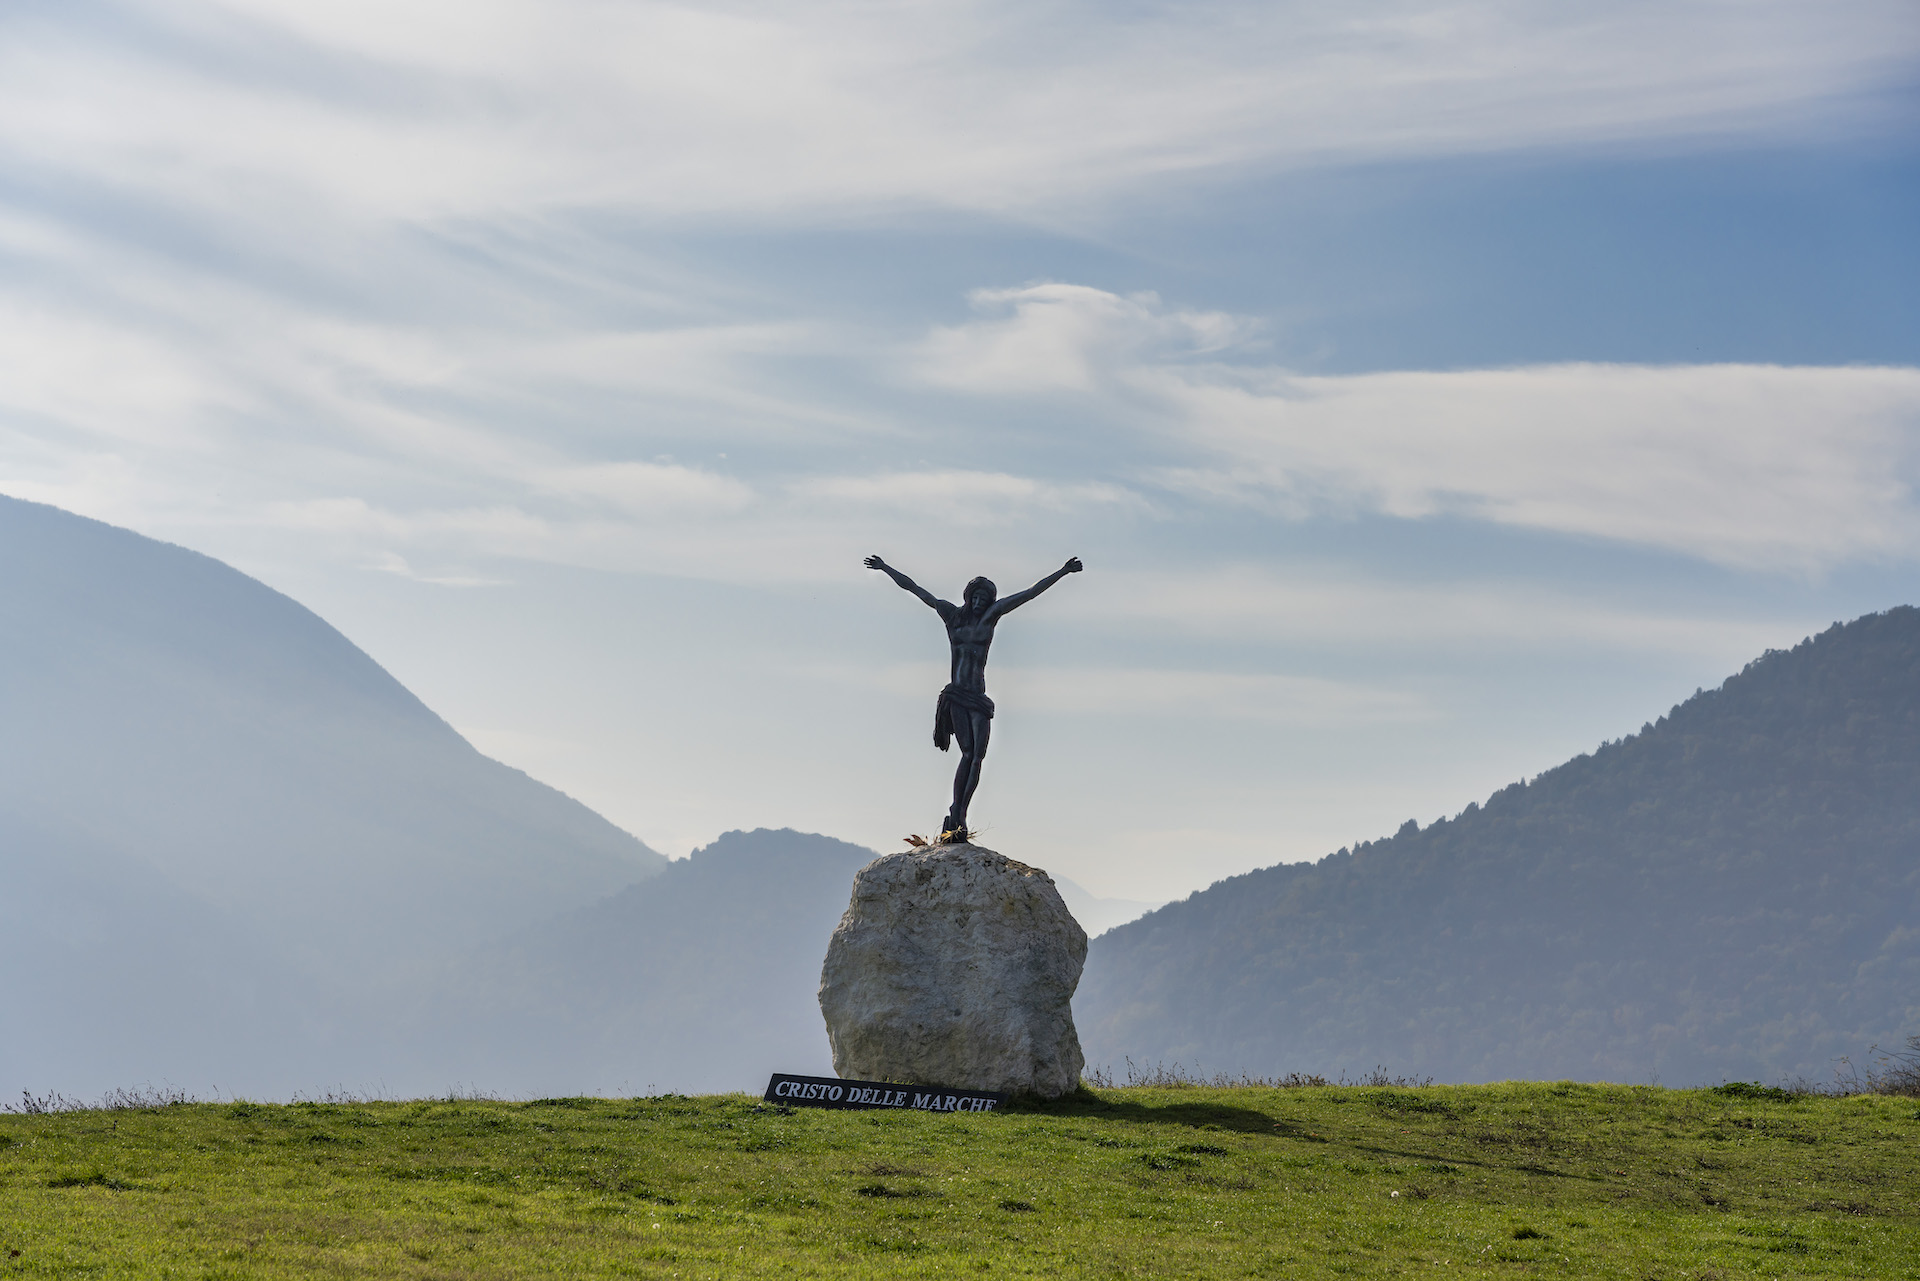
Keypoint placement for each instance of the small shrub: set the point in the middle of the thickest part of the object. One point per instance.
(1895, 1072)
(1165, 1160)
(42, 1104)
(1394, 1101)
(1754, 1091)
(138, 1098)
(94, 1180)
(1380, 1076)
(143, 1097)
(339, 1096)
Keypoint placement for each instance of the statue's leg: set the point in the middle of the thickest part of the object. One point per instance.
(963, 739)
(973, 753)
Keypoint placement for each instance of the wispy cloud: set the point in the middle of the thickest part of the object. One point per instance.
(1057, 337)
(648, 489)
(330, 258)
(398, 566)
(1338, 608)
(1758, 467)
(963, 497)
(402, 435)
(431, 109)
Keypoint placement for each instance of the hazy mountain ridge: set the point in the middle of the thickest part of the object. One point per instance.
(705, 977)
(119, 976)
(223, 822)
(1097, 915)
(1735, 890)
(238, 852)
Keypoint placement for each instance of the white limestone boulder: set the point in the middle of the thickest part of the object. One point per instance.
(956, 966)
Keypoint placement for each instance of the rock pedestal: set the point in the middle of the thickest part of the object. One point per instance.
(956, 966)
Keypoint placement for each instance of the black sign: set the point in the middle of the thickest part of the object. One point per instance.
(831, 1092)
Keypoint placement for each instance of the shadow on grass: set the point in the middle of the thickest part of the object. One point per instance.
(1443, 1158)
(1198, 1114)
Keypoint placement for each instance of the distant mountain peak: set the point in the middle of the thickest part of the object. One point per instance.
(173, 723)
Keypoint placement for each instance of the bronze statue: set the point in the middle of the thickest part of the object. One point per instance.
(964, 711)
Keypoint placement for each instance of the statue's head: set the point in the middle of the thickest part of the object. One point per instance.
(980, 594)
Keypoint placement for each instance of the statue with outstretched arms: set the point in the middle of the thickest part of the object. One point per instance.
(964, 711)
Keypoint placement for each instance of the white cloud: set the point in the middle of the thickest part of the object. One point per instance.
(487, 527)
(1344, 609)
(405, 430)
(1751, 466)
(398, 566)
(955, 496)
(137, 389)
(1066, 338)
(427, 109)
(261, 332)
(649, 490)
(106, 378)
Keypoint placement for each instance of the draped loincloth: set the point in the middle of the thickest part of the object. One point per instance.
(951, 697)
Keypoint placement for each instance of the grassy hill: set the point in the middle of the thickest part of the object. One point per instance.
(1732, 892)
(1503, 1180)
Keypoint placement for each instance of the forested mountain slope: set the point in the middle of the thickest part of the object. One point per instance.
(1732, 892)
(214, 807)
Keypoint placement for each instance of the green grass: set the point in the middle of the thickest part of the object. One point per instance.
(1501, 1180)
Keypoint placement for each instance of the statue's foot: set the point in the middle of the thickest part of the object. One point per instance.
(952, 832)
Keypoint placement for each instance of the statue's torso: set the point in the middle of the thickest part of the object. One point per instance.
(971, 638)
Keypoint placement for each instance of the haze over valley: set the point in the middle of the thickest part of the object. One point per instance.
(241, 857)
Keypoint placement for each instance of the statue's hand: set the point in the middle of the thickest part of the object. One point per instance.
(1073, 565)
(874, 562)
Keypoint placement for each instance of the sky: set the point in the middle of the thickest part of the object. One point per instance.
(1433, 391)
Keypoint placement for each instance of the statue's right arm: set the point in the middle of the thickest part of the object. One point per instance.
(905, 583)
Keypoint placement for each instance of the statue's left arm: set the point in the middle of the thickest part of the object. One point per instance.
(1007, 604)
